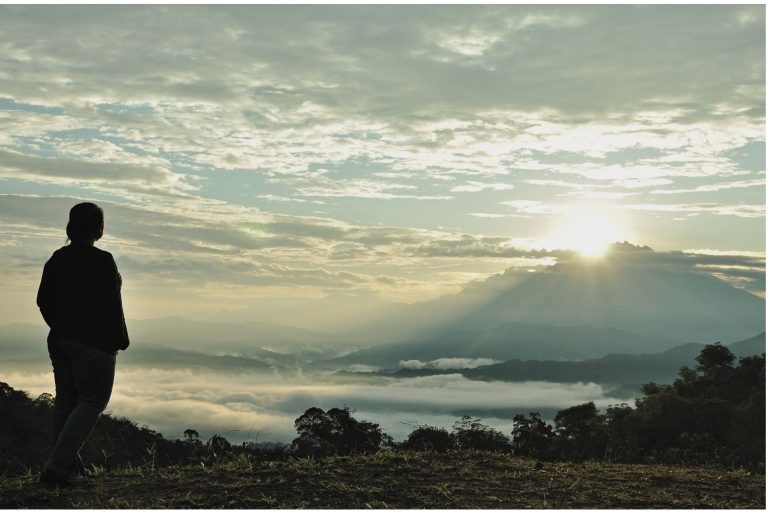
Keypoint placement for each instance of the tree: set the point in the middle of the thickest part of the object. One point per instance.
(622, 443)
(315, 433)
(531, 436)
(44, 400)
(580, 432)
(469, 433)
(191, 434)
(336, 432)
(428, 438)
(713, 413)
(218, 445)
(713, 358)
(353, 436)
(574, 423)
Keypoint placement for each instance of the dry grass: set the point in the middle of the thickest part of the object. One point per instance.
(402, 480)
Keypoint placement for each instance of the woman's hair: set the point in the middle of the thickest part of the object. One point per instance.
(86, 223)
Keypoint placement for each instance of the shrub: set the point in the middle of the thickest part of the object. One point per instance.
(469, 433)
(428, 438)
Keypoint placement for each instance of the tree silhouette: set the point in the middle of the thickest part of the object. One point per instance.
(191, 434)
(428, 438)
(713, 358)
(469, 433)
(336, 432)
(531, 436)
(580, 432)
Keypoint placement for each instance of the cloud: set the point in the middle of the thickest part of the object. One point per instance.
(471, 246)
(748, 211)
(461, 363)
(532, 207)
(315, 84)
(448, 363)
(535, 207)
(487, 215)
(604, 195)
(481, 186)
(155, 230)
(219, 254)
(365, 189)
(359, 367)
(14, 163)
(170, 400)
(744, 270)
(274, 197)
(340, 38)
(240, 252)
(480, 37)
(725, 253)
(714, 187)
(211, 132)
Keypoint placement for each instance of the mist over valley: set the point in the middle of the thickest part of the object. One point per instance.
(424, 363)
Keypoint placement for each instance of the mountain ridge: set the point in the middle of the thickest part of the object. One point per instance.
(632, 289)
(512, 340)
(617, 369)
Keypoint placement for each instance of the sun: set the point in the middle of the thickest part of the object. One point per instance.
(589, 234)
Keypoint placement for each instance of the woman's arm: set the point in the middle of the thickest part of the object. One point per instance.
(45, 295)
(114, 306)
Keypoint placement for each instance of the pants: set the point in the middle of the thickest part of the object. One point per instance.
(84, 376)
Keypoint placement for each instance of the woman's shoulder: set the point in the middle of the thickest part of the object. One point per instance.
(104, 257)
(60, 254)
(80, 251)
(102, 253)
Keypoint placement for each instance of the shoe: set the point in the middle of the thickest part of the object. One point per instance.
(53, 479)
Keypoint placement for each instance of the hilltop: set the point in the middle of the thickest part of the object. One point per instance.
(632, 288)
(389, 479)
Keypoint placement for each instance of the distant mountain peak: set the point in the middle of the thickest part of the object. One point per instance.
(628, 246)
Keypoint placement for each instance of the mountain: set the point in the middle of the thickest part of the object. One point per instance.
(223, 336)
(632, 289)
(611, 369)
(185, 333)
(23, 354)
(511, 341)
(627, 371)
(754, 345)
(332, 313)
(335, 312)
(177, 342)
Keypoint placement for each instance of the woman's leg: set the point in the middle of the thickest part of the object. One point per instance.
(66, 394)
(93, 374)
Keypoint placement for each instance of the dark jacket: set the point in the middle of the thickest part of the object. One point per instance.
(79, 297)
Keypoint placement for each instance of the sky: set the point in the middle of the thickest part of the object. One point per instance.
(245, 155)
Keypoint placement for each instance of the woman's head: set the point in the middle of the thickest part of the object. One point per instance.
(86, 223)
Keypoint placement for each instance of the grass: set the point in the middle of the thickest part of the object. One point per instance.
(400, 480)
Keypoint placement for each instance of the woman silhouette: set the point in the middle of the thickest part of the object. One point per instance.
(79, 298)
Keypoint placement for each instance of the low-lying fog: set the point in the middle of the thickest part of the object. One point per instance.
(263, 406)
